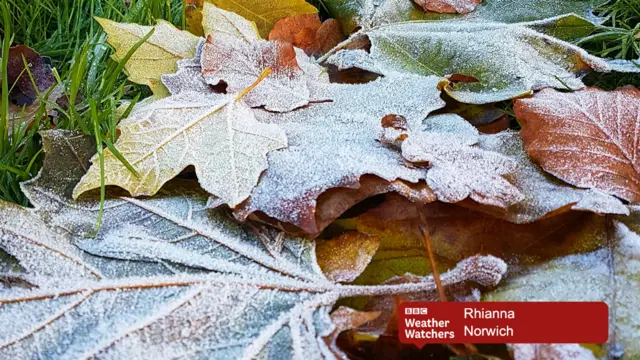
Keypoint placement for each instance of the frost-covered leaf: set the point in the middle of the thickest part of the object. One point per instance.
(38, 249)
(256, 306)
(345, 318)
(543, 194)
(342, 259)
(609, 274)
(458, 168)
(217, 134)
(507, 60)
(448, 6)
(550, 352)
(189, 75)
(332, 144)
(587, 138)
(371, 13)
(216, 21)
(172, 229)
(157, 56)
(461, 282)
(239, 64)
(265, 13)
(308, 33)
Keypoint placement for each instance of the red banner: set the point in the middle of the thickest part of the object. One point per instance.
(423, 323)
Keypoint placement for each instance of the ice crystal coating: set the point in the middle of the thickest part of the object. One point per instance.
(156, 56)
(457, 168)
(588, 138)
(609, 274)
(239, 64)
(217, 134)
(332, 144)
(508, 60)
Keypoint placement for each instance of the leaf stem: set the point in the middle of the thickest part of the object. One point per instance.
(266, 72)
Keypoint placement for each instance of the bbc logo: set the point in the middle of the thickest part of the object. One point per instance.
(415, 311)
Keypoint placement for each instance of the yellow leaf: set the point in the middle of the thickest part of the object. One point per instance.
(265, 13)
(344, 258)
(193, 16)
(157, 56)
(218, 21)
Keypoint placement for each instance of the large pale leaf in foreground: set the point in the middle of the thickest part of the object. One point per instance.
(371, 13)
(217, 134)
(588, 138)
(261, 304)
(265, 13)
(156, 56)
(610, 274)
(209, 315)
(507, 60)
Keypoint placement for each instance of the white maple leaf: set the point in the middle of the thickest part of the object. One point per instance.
(215, 133)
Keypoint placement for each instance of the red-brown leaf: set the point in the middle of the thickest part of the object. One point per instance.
(589, 138)
(306, 32)
(449, 6)
(289, 28)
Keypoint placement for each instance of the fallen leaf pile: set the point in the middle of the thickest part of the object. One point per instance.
(278, 212)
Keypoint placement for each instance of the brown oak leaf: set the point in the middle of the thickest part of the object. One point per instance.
(449, 6)
(589, 138)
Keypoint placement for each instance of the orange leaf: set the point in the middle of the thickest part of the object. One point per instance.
(589, 138)
(289, 28)
(306, 32)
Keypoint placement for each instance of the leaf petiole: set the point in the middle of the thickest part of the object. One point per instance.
(266, 72)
